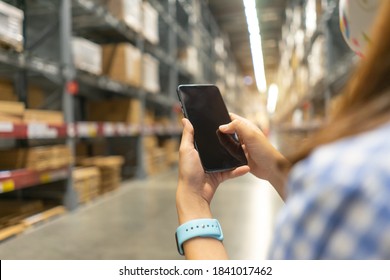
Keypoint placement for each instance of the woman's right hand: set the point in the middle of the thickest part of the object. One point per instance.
(262, 157)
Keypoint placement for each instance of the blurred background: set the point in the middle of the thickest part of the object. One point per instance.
(90, 122)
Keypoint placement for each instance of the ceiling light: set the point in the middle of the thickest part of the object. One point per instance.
(273, 92)
(255, 42)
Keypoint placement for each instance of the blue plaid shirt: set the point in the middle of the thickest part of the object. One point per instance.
(338, 204)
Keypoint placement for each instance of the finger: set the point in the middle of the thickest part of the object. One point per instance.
(239, 171)
(187, 139)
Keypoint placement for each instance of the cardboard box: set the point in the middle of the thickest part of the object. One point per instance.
(150, 23)
(87, 55)
(110, 169)
(115, 110)
(11, 27)
(45, 116)
(130, 11)
(86, 183)
(37, 158)
(122, 63)
(7, 91)
(35, 97)
(150, 75)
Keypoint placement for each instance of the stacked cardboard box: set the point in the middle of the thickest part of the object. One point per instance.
(110, 171)
(87, 55)
(7, 91)
(37, 158)
(43, 116)
(150, 75)
(12, 211)
(150, 23)
(86, 183)
(11, 27)
(11, 111)
(115, 110)
(122, 63)
(130, 11)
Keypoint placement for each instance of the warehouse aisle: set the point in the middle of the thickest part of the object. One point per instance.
(138, 222)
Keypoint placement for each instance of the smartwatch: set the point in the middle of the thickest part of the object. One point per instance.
(197, 228)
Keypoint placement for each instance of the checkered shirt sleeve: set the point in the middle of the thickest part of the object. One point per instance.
(338, 204)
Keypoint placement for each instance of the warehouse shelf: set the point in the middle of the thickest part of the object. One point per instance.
(105, 83)
(83, 130)
(32, 131)
(49, 31)
(22, 61)
(24, 178)
(333, 82)
(93, 22)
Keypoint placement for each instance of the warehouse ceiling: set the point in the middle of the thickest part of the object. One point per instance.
(230, 16)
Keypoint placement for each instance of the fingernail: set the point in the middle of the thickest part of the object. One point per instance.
(223, 126)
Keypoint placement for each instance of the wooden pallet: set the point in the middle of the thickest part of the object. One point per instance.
(43, 216)
(11, 231)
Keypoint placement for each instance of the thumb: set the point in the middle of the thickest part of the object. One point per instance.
(187, 139)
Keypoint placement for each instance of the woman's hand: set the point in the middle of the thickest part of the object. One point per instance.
(262, 157)
(195, 187)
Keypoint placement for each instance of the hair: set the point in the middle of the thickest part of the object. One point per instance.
(365, 102)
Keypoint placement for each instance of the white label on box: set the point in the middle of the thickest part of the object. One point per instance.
(6, 127)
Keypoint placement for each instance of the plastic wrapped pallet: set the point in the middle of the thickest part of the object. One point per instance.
(150, 23)
(11, 26)
(150, 75)
(87, 55)
(122, 62)
(130, 11)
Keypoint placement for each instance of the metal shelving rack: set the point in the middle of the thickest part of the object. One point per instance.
(339, 64)
(47, 60)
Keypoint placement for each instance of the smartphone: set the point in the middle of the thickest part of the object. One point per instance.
(204, 107)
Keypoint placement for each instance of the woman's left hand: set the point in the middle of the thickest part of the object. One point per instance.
(195, 187)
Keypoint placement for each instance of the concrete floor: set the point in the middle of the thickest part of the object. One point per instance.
(138, 222)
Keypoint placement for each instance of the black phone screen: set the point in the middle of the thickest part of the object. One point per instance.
(204, 107)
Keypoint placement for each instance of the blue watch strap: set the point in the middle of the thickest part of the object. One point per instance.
(197, 228)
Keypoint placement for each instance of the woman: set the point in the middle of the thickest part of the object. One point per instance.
(337, 190)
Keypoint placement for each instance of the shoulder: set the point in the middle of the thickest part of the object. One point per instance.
(350, 161)
(338, 201)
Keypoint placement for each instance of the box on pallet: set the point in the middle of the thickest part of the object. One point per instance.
(35, 97)
(43, 116)
(7, 91)
(37, 158)
(150, 23)
(150, 75)
(115, 110)
(11, 27)
(87, 55)
(110, 171)
(86, 182)
(12, 108)
(130, 11)
(122, 63)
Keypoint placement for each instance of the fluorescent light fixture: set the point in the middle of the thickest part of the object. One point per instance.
(255, 41)
(273, 92)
